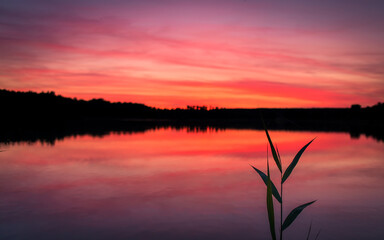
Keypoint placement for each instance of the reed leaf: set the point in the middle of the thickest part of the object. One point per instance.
(271, 213)
(294, 213)
(309, 231)
(264, 177)
(295, 160)
(278, 154)
(274, 154)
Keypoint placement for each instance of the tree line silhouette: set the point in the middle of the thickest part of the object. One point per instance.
(45, 113)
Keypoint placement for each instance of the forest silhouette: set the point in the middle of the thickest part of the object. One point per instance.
(46, 117)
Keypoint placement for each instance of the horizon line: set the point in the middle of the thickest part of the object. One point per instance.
(187, 107)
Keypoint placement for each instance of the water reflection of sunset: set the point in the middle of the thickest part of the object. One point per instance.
(179, 183)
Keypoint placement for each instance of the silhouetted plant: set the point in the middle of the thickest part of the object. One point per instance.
(272, 190)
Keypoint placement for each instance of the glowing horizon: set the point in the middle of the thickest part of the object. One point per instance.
(170, 54)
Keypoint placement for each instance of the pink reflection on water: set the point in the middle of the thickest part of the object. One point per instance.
(177, 184)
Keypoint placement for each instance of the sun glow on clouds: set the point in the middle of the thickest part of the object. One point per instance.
(215, 53)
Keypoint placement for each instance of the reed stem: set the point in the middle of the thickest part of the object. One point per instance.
(281, 208)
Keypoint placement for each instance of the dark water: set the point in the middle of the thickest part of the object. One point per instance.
(169, 184)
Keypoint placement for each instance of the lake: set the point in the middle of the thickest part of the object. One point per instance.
(182, 184)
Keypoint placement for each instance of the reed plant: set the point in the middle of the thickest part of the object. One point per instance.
(272, 190)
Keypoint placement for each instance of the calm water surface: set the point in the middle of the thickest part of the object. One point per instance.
(168, 184)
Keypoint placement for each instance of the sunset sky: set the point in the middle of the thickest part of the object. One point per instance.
(224, 53)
